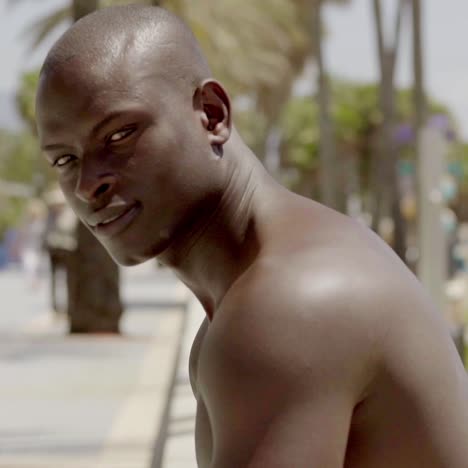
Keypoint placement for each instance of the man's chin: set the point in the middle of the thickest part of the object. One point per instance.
(126, 259)
(133, 253)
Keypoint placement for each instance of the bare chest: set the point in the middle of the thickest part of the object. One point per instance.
(216, 442)
(203, 431)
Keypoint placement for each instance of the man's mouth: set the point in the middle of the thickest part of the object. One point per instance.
(113, 220)
(109, 220)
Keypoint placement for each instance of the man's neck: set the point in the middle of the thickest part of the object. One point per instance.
(226, 239)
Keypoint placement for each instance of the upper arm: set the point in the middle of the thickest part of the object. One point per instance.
(285, 374)
(310, 431)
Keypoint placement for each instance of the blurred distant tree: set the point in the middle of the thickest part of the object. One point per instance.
(16, 167)
(420, 118)
(461, 204)
(18, 157)
(358, 120)
(386, 163)
(271, 102)
(329, 166)
(25, 98)
(93, 284)
(94, 303)
(82, 8)
(420, 104)
(25, 103)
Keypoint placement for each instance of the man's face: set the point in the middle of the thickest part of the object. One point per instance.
(129, 154)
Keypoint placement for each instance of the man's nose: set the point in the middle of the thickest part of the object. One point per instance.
(92, 189)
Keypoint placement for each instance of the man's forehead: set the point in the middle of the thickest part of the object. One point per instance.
(78, 73)
(99, 75)
(64, 109)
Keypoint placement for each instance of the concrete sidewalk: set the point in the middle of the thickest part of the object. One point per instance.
(88, 401)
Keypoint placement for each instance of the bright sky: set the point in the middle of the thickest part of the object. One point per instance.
(350, 47)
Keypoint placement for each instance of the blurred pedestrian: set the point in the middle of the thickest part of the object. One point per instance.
(31, 241)
(59, 242)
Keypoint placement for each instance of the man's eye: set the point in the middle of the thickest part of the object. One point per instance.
(120, 135)
(63, 160)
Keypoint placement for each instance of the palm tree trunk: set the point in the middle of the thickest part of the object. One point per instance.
(386, 190)
(327, 148)
(94, 303)
(420, 116)
(94, 299)
(84, 7)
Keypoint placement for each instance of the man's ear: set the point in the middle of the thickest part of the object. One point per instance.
(213, 103)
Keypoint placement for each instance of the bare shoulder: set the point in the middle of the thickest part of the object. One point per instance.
(336, 312)
(308, 315)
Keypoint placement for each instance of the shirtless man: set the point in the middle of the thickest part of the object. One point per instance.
(319, 348)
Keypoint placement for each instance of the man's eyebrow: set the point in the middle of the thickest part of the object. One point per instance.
(54, 146)
(109, 118)
(99, 126)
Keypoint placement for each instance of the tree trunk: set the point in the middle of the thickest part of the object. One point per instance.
(84, 7)
(94, 303)
(386, 190)
(94, 299)
(420, 105)
(420, 116)
(327, 148)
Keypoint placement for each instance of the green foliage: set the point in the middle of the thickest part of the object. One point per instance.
(252, 125)
(20, 163)
(19, 157)
(357, 119)
(356, 114)
(15, 166)
(26, 97)
(301, 133)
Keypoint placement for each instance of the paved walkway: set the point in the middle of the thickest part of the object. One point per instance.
(87, 401)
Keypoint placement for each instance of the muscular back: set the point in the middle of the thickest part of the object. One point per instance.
(322, 358)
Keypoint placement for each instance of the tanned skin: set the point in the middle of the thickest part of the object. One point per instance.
(319, 348)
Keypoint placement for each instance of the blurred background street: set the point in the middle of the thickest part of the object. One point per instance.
(95, 400)
(361, 105)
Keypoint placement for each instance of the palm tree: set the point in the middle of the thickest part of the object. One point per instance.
(329, 178)
(94, 298)
(385, 170)
(84, 7)
(420, 116)
(92, 276)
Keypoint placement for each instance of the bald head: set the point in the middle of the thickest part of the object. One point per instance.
(132, 36)
(134, 126)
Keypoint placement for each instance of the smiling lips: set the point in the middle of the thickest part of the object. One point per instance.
(113, 219)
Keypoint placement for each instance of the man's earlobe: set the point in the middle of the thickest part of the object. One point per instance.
(215, 112)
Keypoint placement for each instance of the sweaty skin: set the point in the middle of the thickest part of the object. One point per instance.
(319, 348)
